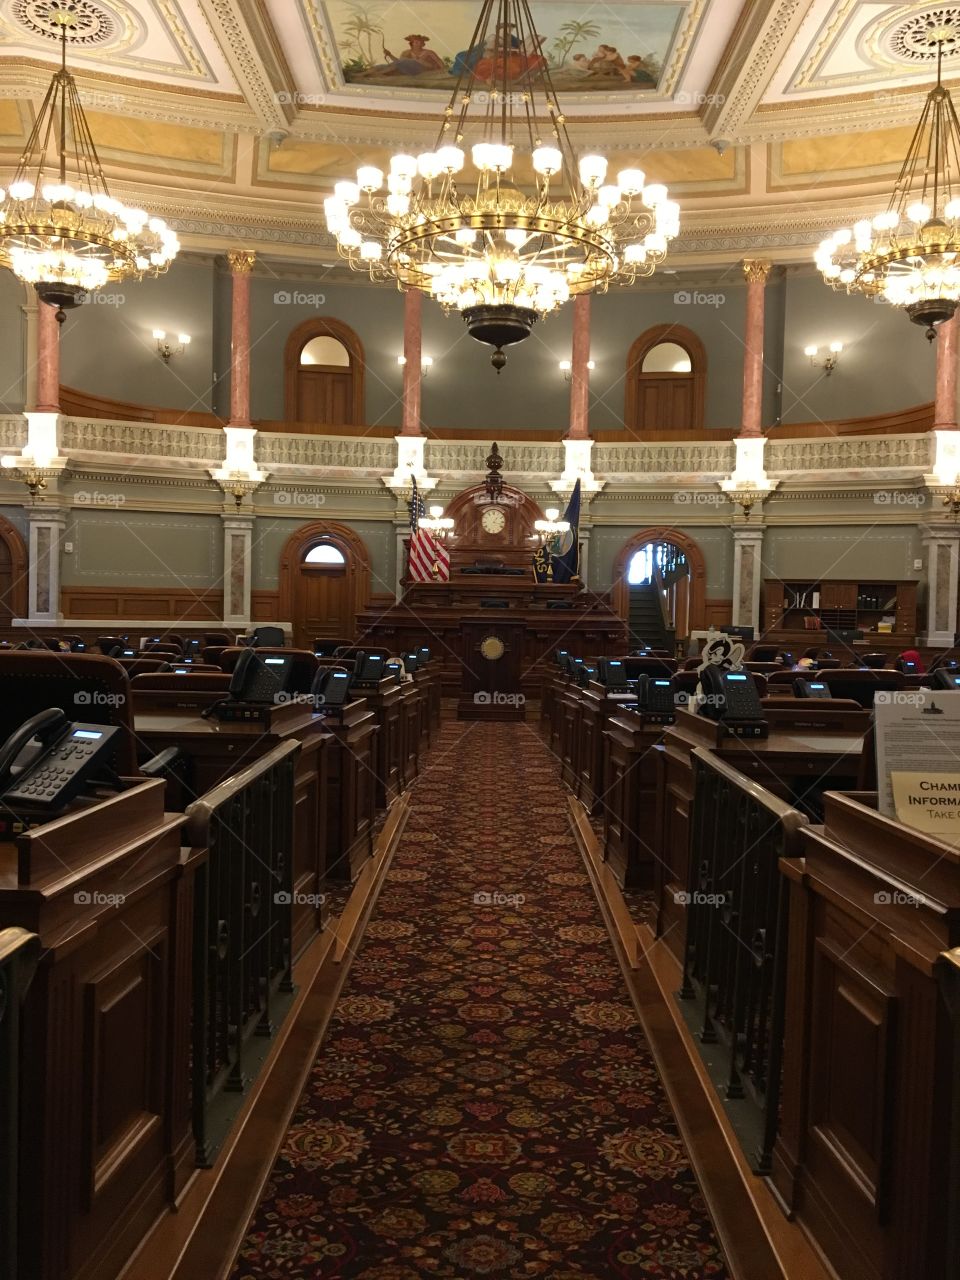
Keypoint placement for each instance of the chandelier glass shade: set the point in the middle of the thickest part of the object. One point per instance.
(60, 229)
(502, 221)
(909, 253)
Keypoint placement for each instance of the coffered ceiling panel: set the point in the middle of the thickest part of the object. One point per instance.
(870, 46)
(162, 41)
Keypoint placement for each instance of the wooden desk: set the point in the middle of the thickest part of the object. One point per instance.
(106, 1142)
(867, 1157)
(217, 749)
(795, 763)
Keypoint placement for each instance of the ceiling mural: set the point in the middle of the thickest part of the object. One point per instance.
(586, 48)
(235, 118)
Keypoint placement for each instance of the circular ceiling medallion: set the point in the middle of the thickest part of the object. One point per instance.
(87, 23)
(914, 40)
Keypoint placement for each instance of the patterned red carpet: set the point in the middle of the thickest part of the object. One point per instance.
(485, 1103)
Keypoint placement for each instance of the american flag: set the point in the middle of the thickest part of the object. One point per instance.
(429, 560)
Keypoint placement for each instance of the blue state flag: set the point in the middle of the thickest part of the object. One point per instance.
(566, 558)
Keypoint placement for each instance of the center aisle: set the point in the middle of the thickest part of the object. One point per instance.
(485, 1103)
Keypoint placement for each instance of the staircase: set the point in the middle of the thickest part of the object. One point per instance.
(646, 619)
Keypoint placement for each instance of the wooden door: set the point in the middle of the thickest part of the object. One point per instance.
(322, 605)
(664, 400)
(6, 584)
(325, 395)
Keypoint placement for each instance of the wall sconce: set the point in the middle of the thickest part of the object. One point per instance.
(436, 522)
(828, 361)
(426, 364)
(166, 349)
(566, 368)
(30, 471)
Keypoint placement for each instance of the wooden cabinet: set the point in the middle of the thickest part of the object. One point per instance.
(840, 605)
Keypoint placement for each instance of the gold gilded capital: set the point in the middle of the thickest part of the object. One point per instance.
(755, 269)
(241, 261)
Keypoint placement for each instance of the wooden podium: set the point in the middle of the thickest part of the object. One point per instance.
(492, 649)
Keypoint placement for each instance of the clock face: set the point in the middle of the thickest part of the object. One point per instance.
(493, 520)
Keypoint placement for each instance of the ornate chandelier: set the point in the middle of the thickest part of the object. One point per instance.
(65, 234)
(908, 253)
(509, 236)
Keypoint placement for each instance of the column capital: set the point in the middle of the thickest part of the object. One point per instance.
(756, 270)
(241, 261)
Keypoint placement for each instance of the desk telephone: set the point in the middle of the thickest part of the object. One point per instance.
(331, 688)
(613, 674)
(944, 678)
(655, 698)
(59, 768)
(259, 679)
(732, 697)
(810, 689)
(369, 668)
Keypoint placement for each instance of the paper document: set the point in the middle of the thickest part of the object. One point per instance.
(917, 731)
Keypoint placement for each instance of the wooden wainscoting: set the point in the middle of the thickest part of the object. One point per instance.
(264, 606)
(165, 603)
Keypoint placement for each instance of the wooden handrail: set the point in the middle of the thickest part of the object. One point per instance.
(82, 404)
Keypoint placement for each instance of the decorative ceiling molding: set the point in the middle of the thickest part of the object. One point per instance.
(254, 59)
(766, 31)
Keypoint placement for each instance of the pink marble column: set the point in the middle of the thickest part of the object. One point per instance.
(756, 274)
(413, 355)
(945, 405)
(241, 265)
(48, 359)
(579, 372)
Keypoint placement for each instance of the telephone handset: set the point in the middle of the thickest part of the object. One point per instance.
(331, 688)
(811, 689)
(944, 678)
(59, 769)
(730, 696)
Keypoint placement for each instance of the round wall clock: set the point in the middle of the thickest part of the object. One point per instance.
(493, 520)
(492, 648)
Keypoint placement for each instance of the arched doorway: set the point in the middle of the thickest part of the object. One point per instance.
(13, 574)
(323, 374)
(324, 582)
(666, 380)
(659, 584)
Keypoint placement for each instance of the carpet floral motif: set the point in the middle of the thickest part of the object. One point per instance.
(485, 1103)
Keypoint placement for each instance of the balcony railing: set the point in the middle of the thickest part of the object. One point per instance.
(242, 932)
(736, 945)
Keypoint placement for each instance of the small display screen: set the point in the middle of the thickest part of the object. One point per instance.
(733, 677)
(817, 686)
(339, 675)
(274, 662)
(662, 684)
(180, 671)
(88, 735)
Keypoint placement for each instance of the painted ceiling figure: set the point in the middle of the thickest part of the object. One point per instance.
(414, 61)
